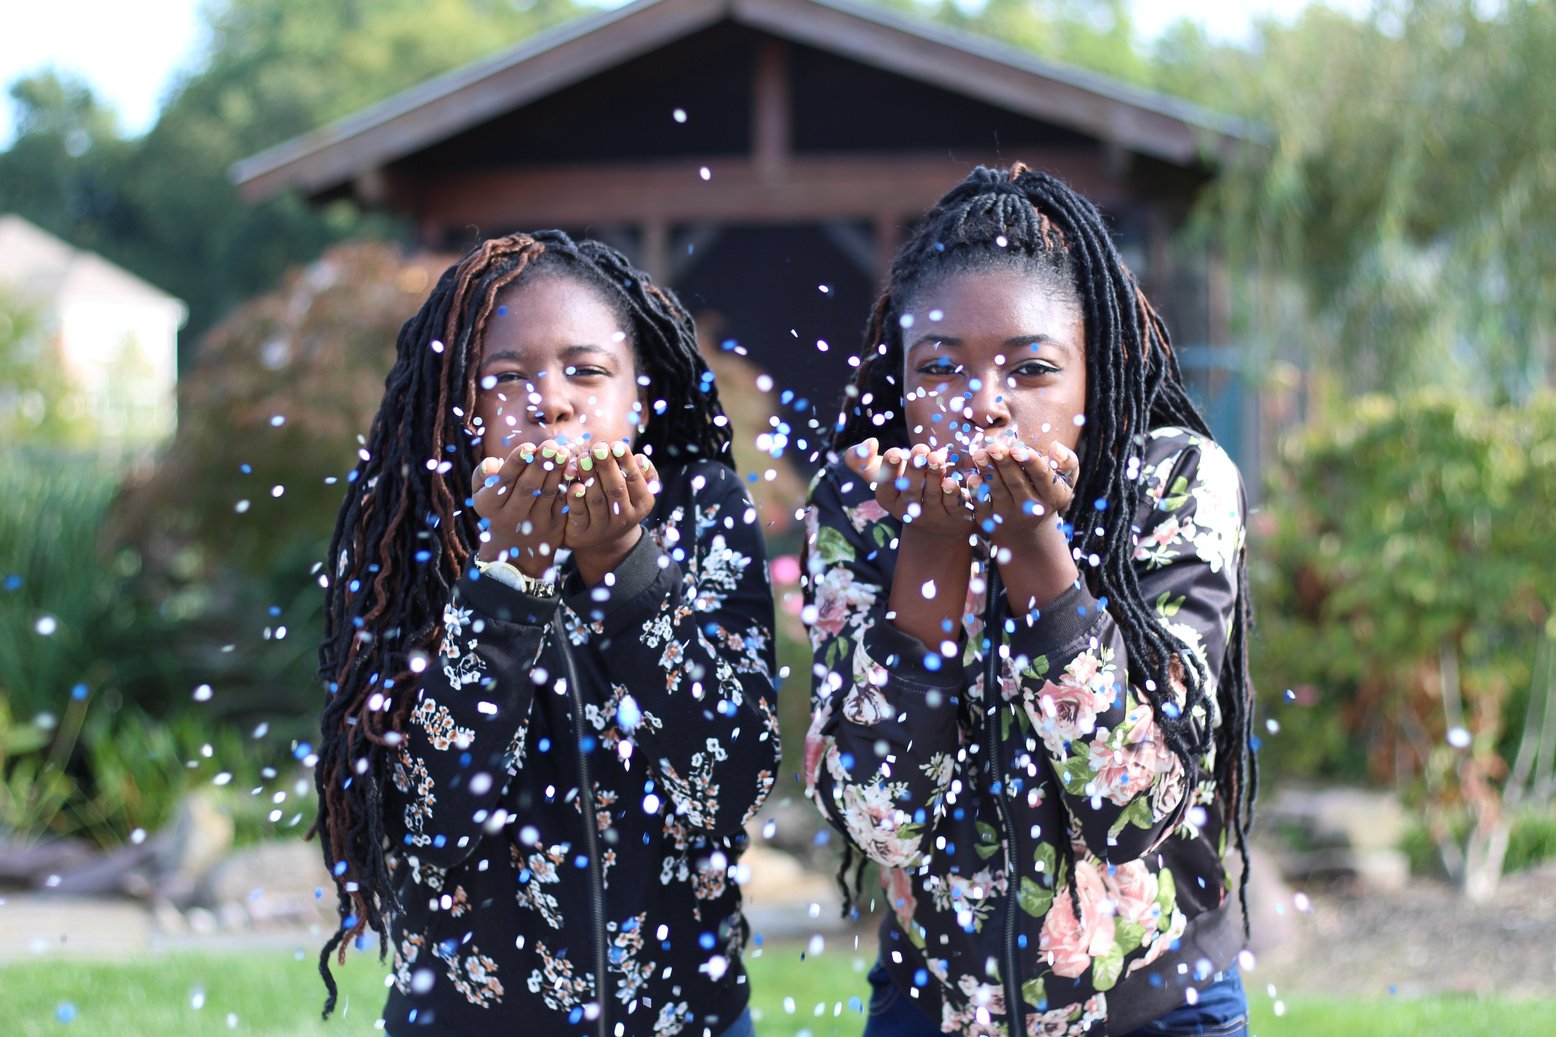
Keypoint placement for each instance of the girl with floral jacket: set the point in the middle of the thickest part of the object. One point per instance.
(549, 654)
(1026, 598)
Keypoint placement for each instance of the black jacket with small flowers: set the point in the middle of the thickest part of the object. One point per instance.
(512, 908)
(984, 810)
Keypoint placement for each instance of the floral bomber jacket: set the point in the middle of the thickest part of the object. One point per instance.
(525, 903)
(965, 799)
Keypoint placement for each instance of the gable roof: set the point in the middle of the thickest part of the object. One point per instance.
(44, 269)
(998, 74)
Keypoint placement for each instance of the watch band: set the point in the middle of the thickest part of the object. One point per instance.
(509, 575)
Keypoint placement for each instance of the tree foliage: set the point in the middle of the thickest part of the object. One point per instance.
(162, 205)
(1399, 222)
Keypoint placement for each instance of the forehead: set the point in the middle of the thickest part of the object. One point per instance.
(994, 304)
(552, 312)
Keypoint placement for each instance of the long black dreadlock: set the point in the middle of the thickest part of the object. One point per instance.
(1018, 217)
(406, 529)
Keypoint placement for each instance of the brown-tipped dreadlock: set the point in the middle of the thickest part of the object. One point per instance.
(406, 529)
(1001, 218)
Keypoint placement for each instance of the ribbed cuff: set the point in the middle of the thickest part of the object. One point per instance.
(1066, 620)
(638, 588)
(496, 599)
(911, 660)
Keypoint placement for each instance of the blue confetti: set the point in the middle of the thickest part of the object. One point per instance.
(65, 1012)
(78, 692)
(13, 581)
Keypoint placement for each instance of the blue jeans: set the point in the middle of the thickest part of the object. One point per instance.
(1220, 1011)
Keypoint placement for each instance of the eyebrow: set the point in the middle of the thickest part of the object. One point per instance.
(1014, 342)
(568, 353)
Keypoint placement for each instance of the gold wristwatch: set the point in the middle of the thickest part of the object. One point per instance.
(510, 575)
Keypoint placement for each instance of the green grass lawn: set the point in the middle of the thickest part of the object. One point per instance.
(278, 993)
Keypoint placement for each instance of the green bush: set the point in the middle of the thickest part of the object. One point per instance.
(1404, 626)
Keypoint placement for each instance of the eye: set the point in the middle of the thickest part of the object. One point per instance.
(1034, 369)
(939, 367)
(586, 371)
(507, 380)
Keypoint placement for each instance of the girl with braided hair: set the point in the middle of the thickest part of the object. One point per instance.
(548, 655)
(1027, 599)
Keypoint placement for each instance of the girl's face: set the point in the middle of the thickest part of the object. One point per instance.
(555, 363)
(997, 353)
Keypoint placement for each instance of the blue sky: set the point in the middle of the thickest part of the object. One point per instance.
(131, 52)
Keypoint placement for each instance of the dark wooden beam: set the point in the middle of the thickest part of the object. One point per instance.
(808, 189)
(771, 118)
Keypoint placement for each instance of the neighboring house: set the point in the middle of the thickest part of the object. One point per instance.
(113, 336)
(749, 151)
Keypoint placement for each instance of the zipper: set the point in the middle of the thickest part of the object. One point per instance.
(1015, 1010)
(591, 825)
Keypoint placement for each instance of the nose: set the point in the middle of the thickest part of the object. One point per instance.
(549, 402)
(983, 403)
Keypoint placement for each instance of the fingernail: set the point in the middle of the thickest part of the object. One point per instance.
(586, 463)
(620, 450)
(546, 451)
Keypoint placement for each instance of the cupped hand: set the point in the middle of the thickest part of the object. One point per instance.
(917, 486)
(1023, 489)
(612, 492)
(520, 497)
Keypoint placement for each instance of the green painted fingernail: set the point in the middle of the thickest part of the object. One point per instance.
(620, 450)
(602, 451)
(587, 463)
(546, 451)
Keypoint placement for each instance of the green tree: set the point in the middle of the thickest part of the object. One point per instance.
(163, 205)
(1400, 220)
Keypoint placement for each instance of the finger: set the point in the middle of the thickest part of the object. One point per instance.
(1067, 464)
(891, 480)
(638, 493)
(608, 493)
(1017, 497)
(864, 460)
(576, 508)
(485, 476)
(552, 461)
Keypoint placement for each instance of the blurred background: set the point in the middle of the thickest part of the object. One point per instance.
(215, 215)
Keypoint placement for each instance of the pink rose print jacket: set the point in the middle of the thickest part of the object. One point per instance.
(984, 809)
(562, 844)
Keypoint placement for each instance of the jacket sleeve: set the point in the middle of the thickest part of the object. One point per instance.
(465, 738)
(685, 631)
(1121, 783)
(883, 747)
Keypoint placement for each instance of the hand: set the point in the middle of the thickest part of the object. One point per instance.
(1023, 490)
(916, 486)
(612, 493)
(521, 499)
